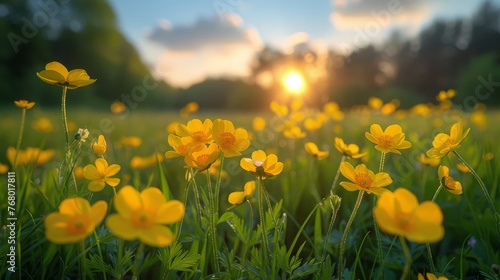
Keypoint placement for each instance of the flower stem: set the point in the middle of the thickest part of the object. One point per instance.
(212, 231)
(83, 267)
(335, 210)
(262, 218)
(98, 242)
(437, 192)
(334, 183)
(407, 254)
(19, 138)
(375, 226)
(64, 118)
(485, 191)
(138, 257)
(346, 232)
(428, 245)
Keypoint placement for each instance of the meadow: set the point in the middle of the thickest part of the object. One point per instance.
(260, 195)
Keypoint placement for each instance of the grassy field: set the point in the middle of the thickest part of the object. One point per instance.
(306, 209)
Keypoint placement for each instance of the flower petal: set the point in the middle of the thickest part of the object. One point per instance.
(170, 212)
(348, 171)
(381, 179)
(127, 201)
(122, 227)
(351, 186)
(58, 67)
(152, 198)
(96, 185)
(113, 182)
(74, 206)
(98, 212)
(157, 236)
(51, 77)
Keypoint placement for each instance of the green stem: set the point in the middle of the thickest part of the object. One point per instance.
(19, 138)
(98, 242)
(428, 245)
(218, 183)
(346, 232)
(335, 210)
(485, 191)
(407, 254)
(437, 192)
(262, 218)
(138, 257)
(375, 226)
(212, 231)
(83, 267)
(334, 183)
(64, 118)
(119, 258)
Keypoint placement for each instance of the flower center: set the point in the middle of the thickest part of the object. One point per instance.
(258, 163)
(449, 183)
(142, 218)
(198, 136)
(78, 225)
(385, 141)
(182, 149)
(448, 143)
(227, 140)
(202, 159)
(363, 180)
(404, 220)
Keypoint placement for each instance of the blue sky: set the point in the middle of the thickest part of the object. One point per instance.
(185, 41)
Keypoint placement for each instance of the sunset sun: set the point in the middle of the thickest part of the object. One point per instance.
(294, 82)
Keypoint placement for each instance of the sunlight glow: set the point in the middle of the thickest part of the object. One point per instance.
(294, 82)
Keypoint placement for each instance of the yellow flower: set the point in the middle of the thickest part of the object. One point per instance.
(78, 171)
(446, 95)
(237, 198)
(171, 127)
(278, 109)
(462, 168)
(30, 155)
(145, 162)
(448, 182)
(204, 158)
(131, 141)
(390, 140)
(313, 150)
(348, 150)
(143, 215)
(399, 213)
(118, 107)
(56, 74)
(363, 179)
(388, 108)
(428, 161)
(3, 168)
(100, 174)
(431, 276)
(294, 132)
(312, 124)
(180, 149)
(24, 104)
(99, 147)
(231, 141)
(190, 108)
(262, 165)
(488, 156)
(42, 125)
(195, 132)
(375, 103)
(444, 143)
(259, 123)
(75, 220)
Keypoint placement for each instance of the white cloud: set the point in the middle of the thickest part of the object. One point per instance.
(211, 47)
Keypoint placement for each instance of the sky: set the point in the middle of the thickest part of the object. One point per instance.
(187, 41)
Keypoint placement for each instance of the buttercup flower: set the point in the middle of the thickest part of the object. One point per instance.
(446, 95)
(42, 125)
(75, 220)
(278, 109)
(462, 168)
(204, 158)
(99, 147)
(30, 155)
(56, 74)
(101, 174)
(143, 215)
(195, 132)
(259, 124)
(180, 149)
(348, 150)
(190, 108)
(231, 141)
(3, 168)
(145, 162)
(118, 107)
(313, 150)
(24, 104)
(262, 165)
(444, 143)
(390, 140)
(363, 179)
(448, 182)
(430, 276)
(131, 141)
(399, 213)
(294, 132)
(237, 198)
(428, 161)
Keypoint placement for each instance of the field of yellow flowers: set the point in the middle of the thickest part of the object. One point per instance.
(376, 192)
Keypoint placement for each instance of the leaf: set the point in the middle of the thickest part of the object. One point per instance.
(175, 258)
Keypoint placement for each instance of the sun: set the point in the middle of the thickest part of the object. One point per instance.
(294, 82)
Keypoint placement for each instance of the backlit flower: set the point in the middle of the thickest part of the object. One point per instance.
(99, 147)
(190, 108)
(237, 198)
(312, 124)
(138, 162)
(118, 107)
(348, 150)
(430, 276)
(278, 109)
(294, 132)
(24, 104)
(180, 149)
(195, 132)
(363, 179)
(203, 158)
(259, 123)
(462, 168)
(131, 141)
(448, 182)
(262, 165)
(143, 216)
(75, 220)
(399, 213)
(231, 141)
(42, 125)
(428, 161)
(446, 95)
(56, 74)
(29, 155)
(313, 150)
(444, 143)
(3, 168)
(100, 174)
(390, 140)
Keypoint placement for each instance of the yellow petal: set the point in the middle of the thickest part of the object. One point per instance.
(98, 211)
(51, 77)
(74, 206)
(247, 164)
(249, 189)
(443, 171)
(112, 169)
(96, 185)
(381, 179)
(170, 212)
(58, 67)
(429, 212)
(406, 200)
(236, 198)
(153, 198)
(347, 171)
(122, 227)
(393, 129)
(350, 186)
(259, 155)
(113, 182)
(376, 131)
(157, 236)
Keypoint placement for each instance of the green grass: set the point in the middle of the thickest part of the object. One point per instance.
(298, 228)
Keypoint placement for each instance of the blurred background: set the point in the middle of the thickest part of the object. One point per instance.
(241, 54)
